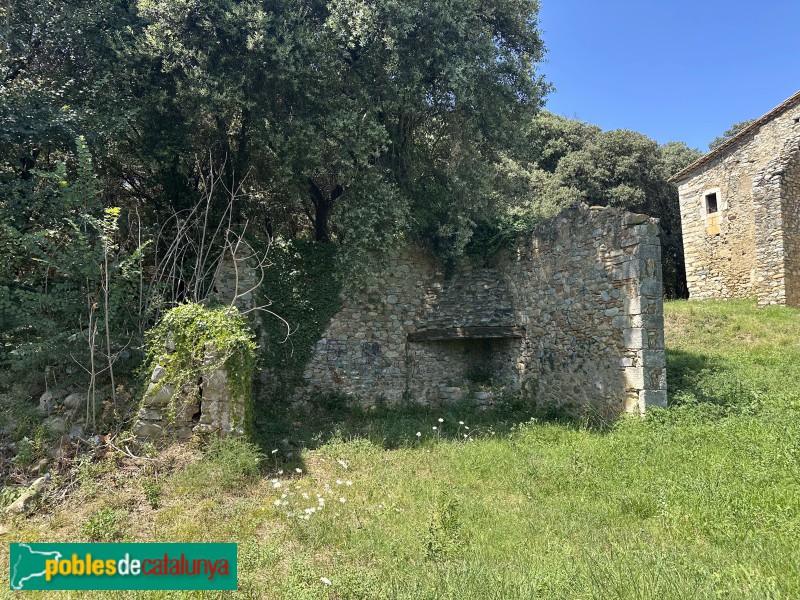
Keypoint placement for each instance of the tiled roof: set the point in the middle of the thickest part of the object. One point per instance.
(722, 148)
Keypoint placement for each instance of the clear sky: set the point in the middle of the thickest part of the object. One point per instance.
(672, 69)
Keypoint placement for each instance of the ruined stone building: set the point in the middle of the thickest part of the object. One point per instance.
(570, 318)
(740, 213)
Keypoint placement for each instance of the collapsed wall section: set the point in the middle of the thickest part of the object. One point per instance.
(570, 318)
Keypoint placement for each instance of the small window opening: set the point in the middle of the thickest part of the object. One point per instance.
(711, 203)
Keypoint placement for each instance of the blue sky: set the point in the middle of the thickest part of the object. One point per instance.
(671, 69)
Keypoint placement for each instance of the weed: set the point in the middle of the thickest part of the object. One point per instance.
(8, 494)
(153, 489)
(228, 463)
(444, 537)
(104, 526)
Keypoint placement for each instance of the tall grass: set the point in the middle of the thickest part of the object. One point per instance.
(700, 500)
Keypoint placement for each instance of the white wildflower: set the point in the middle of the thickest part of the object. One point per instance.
(461, 422)
(298, 470)
(325, 580)
(274, 451)
(434, 428)
(348, 483)
(419, 434)
(277, 502)
(342, 500)
(341, 462)
(441, 420)
(276, 484)
(339, 482)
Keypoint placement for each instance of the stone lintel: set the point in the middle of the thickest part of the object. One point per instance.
(466, 333)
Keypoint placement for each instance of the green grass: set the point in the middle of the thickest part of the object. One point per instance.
(701, 500)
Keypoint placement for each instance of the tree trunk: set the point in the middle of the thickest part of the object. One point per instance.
(323, 205)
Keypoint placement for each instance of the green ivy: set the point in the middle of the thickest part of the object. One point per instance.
(181, 342)
(301, 287)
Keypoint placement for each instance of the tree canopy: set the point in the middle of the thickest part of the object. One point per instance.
(364, 123)
(729, 133)
(570, 161)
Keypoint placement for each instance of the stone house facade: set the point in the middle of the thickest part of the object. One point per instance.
(740, 213)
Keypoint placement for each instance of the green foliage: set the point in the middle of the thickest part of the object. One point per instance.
(684, 503)
(191, 339)
(153, 490)
(29, 450)
(228, 463)
(8, 494)
(55, 242)
(18, 417)
(571, 162)
(105, 525)
(342, 114)
(729, 133)
(444, 537)
(300, 286)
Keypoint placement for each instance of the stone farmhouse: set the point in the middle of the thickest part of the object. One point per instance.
(740, 212)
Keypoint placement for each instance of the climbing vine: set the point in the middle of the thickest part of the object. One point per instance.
(301, 287)
(189, 334)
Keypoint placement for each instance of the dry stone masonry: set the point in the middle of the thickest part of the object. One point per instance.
(740, 213)
(210, 407)
(571, 318)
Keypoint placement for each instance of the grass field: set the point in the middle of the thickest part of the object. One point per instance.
(701, 500)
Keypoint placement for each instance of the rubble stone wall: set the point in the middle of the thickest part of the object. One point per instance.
(571, 318)
(791, 218)
(748, 247)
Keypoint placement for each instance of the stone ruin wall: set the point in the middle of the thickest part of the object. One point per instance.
(757, 217)
(211, 407)
(573, 317)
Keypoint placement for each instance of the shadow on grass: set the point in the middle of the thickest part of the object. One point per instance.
(282, 432)
(289, 430)
(695, 379)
